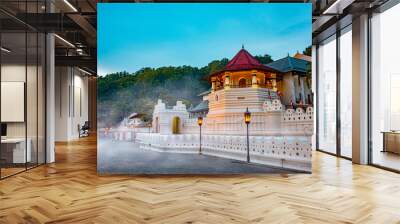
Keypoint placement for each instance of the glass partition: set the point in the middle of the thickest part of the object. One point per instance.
(14, 153)
(345, 58)
(22, 78)
(385, 89)
(327, 95)
(32, 95)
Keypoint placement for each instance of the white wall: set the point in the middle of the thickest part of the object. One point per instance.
(71, 102)
(17, 73)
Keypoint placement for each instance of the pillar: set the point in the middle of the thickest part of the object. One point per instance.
(254, 80)
(274, 85)
(50, 98)
(227, 82)
(360, 89)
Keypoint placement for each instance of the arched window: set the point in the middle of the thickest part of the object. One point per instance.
(175, 125)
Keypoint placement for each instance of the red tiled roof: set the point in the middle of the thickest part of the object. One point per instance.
(243, 60)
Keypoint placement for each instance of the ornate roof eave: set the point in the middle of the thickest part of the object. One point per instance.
(265, 69)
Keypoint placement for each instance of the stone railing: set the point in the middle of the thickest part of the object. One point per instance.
(190, 126)
(122, 134)
(292, 152)
(298, 121)
(289, 122)
(298, 115)
(273, 105)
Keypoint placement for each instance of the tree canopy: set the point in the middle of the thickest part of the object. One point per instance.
(307, 51)
(122, 93)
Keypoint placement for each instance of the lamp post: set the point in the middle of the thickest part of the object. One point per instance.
(200, 122)
(247, 118)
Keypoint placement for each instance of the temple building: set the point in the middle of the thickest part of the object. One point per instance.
(201, 109)
(281, 125)
(303, 57)
(245, 82)
(296, 79)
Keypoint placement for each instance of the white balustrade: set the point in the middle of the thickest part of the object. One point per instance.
(284, 151)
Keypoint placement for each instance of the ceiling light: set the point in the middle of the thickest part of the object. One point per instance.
(5, 50)
(337, 7)
(70, 5)
(330, 8)
(65, 41)
(86, 72)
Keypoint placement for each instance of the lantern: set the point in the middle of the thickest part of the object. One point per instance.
(200, 121)
(247, 116)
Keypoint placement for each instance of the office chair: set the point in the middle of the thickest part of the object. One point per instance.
(84, 130)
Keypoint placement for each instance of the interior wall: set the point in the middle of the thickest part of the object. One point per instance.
(13, 73)
(71, 102)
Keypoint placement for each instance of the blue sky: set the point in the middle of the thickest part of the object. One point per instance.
(133, 36)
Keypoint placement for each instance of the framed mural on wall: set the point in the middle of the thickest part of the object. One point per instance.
(198, 88)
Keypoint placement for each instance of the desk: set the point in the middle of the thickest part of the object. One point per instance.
(16, 147)
(391, 141)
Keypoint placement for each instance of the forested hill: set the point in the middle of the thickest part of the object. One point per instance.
(122, 93)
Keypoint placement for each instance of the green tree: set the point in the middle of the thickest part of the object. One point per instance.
(307, 51)
(122, 93)
(264, 59)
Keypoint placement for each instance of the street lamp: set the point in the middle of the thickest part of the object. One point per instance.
(200, 122)
(247, 118)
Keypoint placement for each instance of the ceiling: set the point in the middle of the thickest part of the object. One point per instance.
(73, 21)
(330, 15)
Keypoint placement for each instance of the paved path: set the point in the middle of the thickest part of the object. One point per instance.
(116, 157)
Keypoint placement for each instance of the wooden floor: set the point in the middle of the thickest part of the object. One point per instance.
(387, 159)
(70, 191)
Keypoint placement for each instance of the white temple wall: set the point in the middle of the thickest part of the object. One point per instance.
(289, 91)
(262, 123)
(292, 152)
(290, 122)
(302, 89)
(307, 89)
(297, 90)
(163, 117)
(165, 120)
(238, 99)
(190, 126)
(293, 86)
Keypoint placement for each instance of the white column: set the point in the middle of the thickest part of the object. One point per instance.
(254, 80)
(302, 91)
(50, 100)
(360, 90)
(274, 85)
(227, 82)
